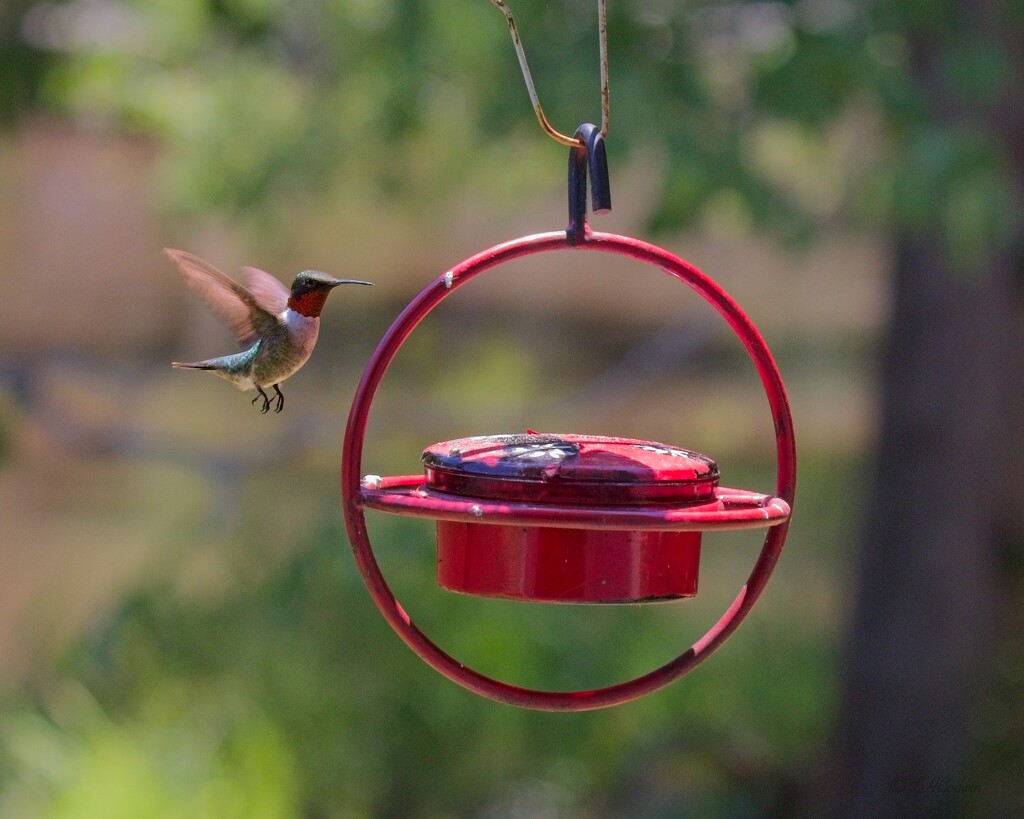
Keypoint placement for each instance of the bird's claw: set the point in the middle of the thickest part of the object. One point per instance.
(278, 400)
(266, 401)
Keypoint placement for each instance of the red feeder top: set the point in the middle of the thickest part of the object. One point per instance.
(579, 469)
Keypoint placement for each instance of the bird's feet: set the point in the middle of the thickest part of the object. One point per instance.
(266, 400)
(278, 400)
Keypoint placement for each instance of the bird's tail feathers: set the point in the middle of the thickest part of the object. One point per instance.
(194, 365)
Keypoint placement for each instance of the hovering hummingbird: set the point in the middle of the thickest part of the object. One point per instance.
(279, 327)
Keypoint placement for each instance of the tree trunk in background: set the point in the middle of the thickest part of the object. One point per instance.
(923, 621)
(947, 503)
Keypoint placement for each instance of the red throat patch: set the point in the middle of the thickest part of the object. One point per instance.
(309, 304)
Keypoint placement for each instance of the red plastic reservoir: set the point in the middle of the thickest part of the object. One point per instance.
(563, 562)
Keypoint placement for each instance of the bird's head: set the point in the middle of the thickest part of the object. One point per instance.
(310, 290)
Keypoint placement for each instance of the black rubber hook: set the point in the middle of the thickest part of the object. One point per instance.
(589, 155)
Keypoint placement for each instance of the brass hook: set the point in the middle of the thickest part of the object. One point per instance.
(602, 30)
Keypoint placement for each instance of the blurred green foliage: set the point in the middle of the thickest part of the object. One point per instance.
(260, 103)
(287, 695)
(263, 102)
(188, 750)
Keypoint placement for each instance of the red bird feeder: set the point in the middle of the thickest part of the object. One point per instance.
(567, 477)
(568, 518)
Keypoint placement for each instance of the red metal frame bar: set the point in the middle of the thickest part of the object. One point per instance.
(355, 498)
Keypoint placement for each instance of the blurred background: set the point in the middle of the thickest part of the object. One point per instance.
(182, 629)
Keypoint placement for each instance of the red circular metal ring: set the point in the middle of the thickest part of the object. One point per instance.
(351, 471)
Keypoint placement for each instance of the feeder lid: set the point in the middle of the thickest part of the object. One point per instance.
(584, 469)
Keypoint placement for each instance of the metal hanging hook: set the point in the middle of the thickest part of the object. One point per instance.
(593, 159)
(602, 30)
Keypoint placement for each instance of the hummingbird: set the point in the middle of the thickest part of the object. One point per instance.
(277, 326)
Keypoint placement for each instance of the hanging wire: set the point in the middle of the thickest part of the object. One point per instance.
(602, 31)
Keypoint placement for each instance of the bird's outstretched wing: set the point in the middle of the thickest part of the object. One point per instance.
(236, 306)
(269, 293)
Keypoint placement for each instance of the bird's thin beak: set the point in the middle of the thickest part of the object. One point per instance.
(336, 282)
